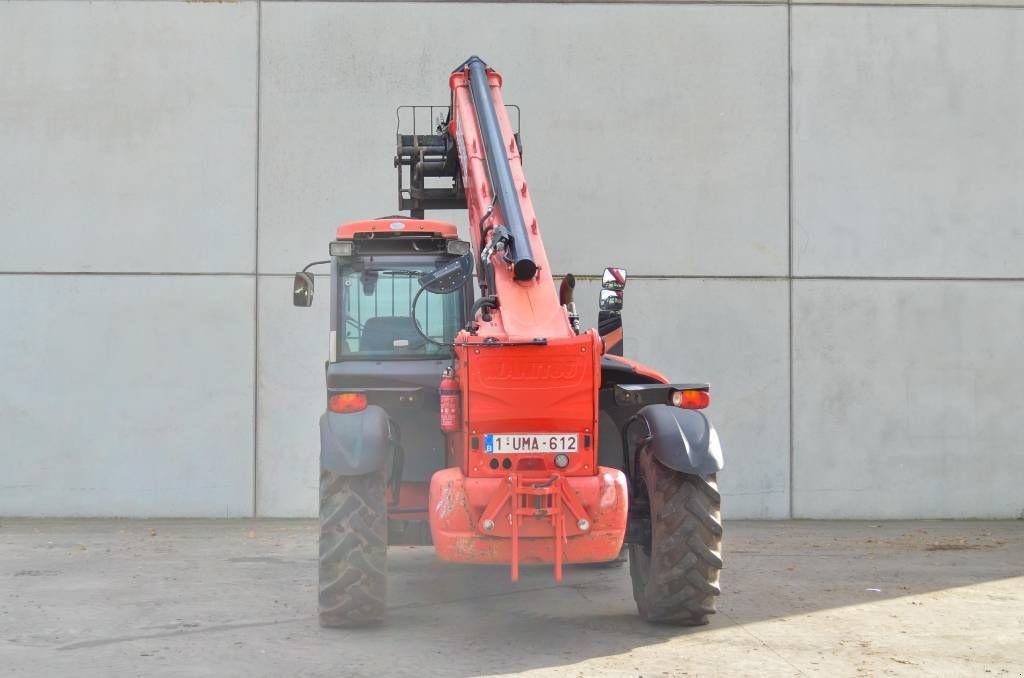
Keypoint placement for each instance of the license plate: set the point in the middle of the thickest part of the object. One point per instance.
(526, 443)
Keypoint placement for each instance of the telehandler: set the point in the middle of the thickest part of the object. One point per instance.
(492, 425)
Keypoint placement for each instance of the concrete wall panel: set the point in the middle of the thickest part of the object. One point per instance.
(908, 142)
(126, 395)
(654, 136)
(907, 399)
(128, 136)
(733, 334)
(293, 345)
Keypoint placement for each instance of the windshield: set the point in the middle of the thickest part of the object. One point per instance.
(375, 313)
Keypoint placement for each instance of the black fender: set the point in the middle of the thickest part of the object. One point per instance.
(356, 443)
(682, 440)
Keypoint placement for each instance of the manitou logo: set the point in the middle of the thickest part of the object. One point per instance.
(537, 370)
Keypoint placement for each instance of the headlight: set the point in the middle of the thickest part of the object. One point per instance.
(341, 248)
(458, 247)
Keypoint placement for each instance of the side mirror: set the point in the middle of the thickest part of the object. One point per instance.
(611, 300)
(449, 277)
(609, 319)
(613, 279)
(302, 290)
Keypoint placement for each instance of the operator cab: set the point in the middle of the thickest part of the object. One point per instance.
(379, 268)
(400, 292)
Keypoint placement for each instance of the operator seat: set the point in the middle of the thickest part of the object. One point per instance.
(380, 333)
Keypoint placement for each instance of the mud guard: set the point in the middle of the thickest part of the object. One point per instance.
(682, 440)
(355, 443)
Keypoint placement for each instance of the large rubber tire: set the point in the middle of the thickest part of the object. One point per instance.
(675, 578)
(353, 549)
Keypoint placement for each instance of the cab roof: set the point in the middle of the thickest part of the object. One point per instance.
(397, 226)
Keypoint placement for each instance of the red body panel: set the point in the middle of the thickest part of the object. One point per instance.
(522, 389)
(408, 225)
(457, 505)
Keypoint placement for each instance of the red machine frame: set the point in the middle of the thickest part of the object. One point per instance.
(523, 368)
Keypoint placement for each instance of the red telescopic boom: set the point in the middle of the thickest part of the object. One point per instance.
(503, 225)
(524, 458)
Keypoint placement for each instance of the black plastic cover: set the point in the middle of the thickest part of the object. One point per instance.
(683, 440)
(355, 443)
(449, 277)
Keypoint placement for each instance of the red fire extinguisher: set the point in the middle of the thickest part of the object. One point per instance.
(449, 391)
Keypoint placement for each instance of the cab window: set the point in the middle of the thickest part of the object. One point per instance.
(376, 317)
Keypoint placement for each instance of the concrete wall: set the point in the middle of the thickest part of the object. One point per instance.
(820, 207)
(127, 298)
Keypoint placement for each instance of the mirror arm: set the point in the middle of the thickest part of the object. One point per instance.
(315, 263)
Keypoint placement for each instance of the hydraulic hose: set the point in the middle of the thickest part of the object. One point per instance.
(416, 323)
(479, 304)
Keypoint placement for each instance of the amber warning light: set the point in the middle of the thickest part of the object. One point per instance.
(347, 402)
(691, 399)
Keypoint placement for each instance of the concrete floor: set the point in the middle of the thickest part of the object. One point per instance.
(236, 598)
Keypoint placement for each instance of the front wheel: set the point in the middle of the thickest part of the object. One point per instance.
(353, 549)
(675, 572)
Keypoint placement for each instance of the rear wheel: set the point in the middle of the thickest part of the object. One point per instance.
(353, 549)
(675, 573)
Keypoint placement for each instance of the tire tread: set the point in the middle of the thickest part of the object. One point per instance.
(677, 582)
(353, 550)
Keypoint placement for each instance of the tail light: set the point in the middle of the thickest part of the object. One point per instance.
(691, 399)
(347, 402)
